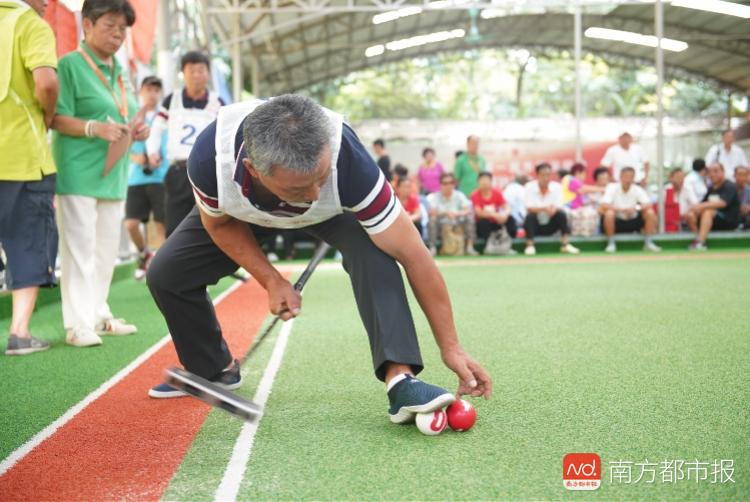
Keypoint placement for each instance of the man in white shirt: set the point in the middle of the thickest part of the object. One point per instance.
(626, 154)
(545, 215)
(627, 208)
(686, 198)
(695, 181)
(514, 195)
(727, 154)
(183, 115)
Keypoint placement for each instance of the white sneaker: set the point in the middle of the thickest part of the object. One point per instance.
(570, 249)
(272, 257)
(697, 245)
(529, 251)
(82, 338)
(611, 248)
(115, 327)
(650, 246)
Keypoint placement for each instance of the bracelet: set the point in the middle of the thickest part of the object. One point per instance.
(89, 128)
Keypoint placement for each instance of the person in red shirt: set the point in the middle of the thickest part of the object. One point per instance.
(410, 201)
(672, 218)
(490, 209)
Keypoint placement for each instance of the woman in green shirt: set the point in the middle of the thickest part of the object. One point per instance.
(95, 123)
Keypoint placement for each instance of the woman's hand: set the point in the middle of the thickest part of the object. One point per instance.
(110, 132)
(139, 130)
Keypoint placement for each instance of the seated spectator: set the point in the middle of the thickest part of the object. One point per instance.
(695, 181)
(720, 209)
(672, 192)
(410, 201)
(514, 196)
(742, 180)
(544, 205)
(491, 210)
(584, 220)
(593, 198)
(678, 199)
(450, 209)
(429, 172)
(627, 208)
(399, 172)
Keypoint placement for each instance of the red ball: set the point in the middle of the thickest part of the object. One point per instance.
(461, 415)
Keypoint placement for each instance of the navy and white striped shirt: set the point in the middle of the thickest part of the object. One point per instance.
(361, 185)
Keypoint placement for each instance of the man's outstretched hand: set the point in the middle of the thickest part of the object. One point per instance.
(472, 379)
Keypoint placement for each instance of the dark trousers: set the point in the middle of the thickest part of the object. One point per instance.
(558, 222)
(287, 246)
(189, 261)
(485, 227)
(178, 196)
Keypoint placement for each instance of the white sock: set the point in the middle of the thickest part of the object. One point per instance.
(394, 381)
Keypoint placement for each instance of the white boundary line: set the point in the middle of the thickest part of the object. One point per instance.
(235, 472)
(26, 448)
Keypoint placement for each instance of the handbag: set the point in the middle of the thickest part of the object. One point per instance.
(498, 243)
(452, 240)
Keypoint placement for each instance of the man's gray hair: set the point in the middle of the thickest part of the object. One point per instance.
(290, 131)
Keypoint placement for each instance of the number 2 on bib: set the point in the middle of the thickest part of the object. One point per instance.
(188, 139)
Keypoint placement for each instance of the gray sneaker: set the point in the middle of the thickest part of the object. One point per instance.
(19, 346)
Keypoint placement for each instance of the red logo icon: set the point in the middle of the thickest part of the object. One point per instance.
(438, 421)
(582, 471)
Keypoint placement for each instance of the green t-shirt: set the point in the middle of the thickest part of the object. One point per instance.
(467, 171)
(25, 45)
(80, 160)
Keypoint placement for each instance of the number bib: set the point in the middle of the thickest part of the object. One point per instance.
(185, 124)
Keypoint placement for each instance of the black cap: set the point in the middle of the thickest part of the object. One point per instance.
(151, 80)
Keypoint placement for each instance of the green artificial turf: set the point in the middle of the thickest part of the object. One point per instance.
(640, 361)
(38, 388)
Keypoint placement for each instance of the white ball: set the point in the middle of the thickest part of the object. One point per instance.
(432, 423)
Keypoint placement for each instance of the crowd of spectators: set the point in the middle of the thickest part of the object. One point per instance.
(610, 199)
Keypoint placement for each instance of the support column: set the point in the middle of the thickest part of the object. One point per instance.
(165, 68)
(236, 57)
(729, 110)
(659, 28)
(254, 68)
(578, 105)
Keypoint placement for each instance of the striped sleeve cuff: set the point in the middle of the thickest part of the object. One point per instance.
(379, 209)
(205, 202)
(207, 208)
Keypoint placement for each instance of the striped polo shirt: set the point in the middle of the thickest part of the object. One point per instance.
(362, 187)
